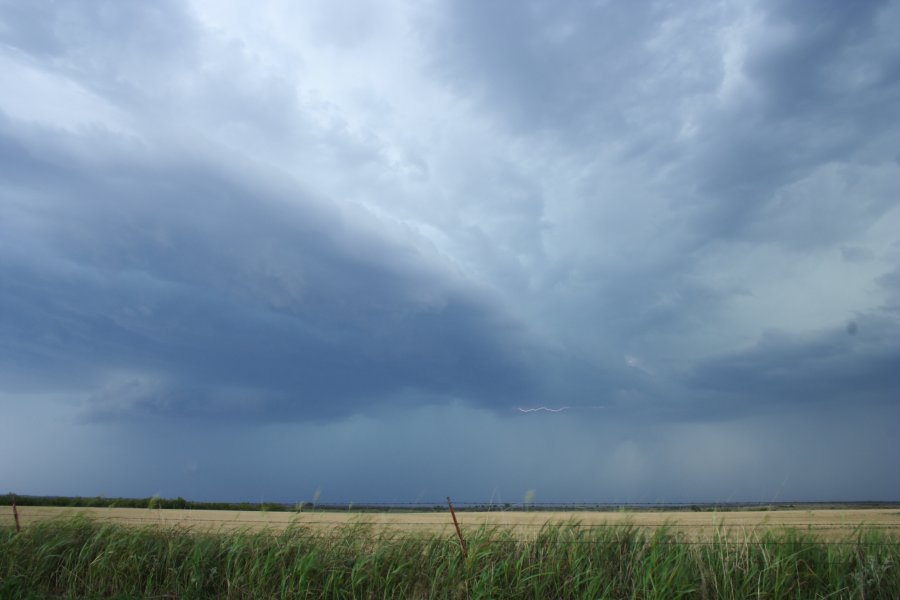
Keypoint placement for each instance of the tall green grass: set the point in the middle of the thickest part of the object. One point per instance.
(80, 558)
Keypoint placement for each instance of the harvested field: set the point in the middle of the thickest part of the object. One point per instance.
(827, 523)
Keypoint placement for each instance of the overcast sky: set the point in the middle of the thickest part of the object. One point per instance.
(605, 251)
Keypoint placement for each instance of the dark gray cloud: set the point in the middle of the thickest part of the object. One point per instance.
(817, 89)
(587, 72)
(814, 56)
(197, 282)
(351, 242)
(852, 365)
(811, 86)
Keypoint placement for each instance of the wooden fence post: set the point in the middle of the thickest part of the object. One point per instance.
(462, 542)
(16, 514)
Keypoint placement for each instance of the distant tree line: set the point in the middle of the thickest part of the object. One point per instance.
(157, 502)
(150, 502)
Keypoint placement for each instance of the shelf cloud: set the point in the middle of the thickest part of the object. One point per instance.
(311, 231)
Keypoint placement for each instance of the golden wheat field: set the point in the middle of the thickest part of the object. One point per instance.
(829, 523)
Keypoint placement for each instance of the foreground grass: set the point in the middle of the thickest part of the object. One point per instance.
(80, 558)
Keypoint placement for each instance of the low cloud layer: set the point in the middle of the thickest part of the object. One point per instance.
(263, 222)
(178, 288)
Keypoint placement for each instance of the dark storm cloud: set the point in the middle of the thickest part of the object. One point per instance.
(729, 127)
(267, 295)
(855, 365)
(822, 54)
(586, 71)
(817, 89)
(192, 283)
(235, 235)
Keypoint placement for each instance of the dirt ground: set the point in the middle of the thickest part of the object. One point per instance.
(830, 523)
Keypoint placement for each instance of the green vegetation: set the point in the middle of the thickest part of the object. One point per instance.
(81, 558)
(151, 502)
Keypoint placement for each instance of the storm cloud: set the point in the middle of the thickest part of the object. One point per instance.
(340, 241)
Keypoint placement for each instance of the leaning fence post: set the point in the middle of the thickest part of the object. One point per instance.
(16, 514)
(462, 542)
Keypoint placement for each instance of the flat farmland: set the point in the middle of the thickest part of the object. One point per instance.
(847, 552)
(832, 523)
